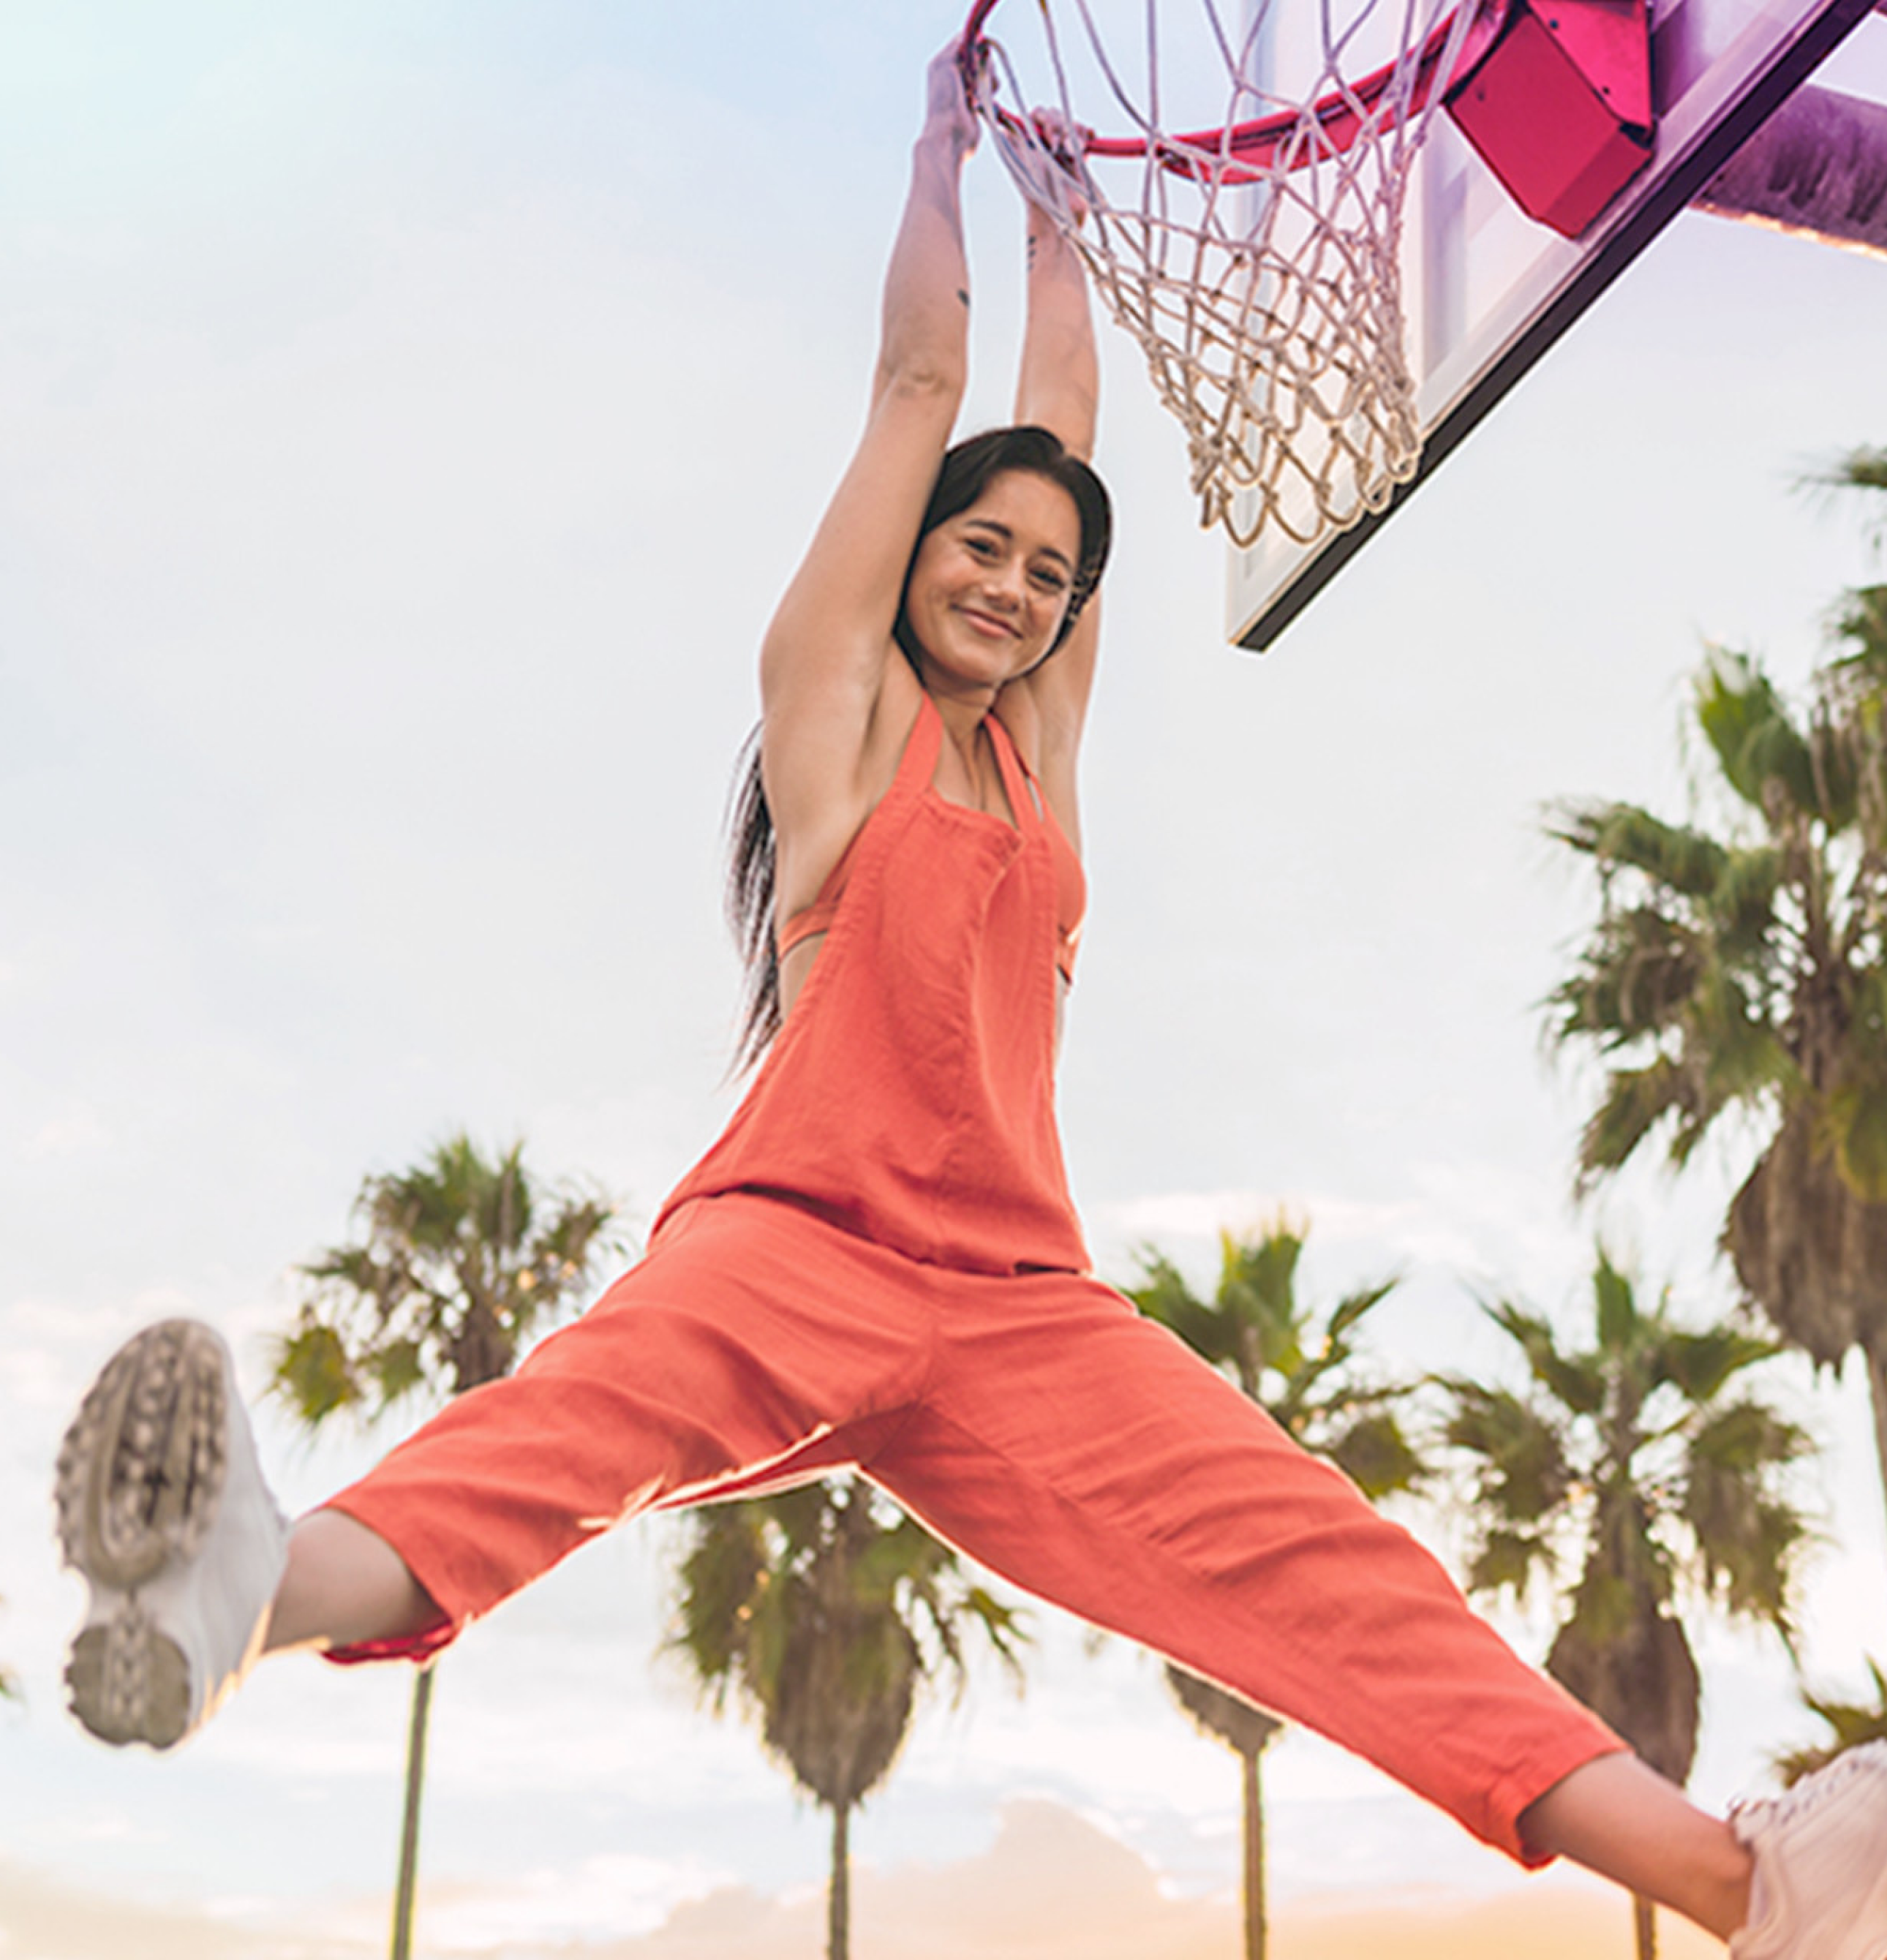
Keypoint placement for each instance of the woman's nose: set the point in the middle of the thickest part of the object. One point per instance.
(1006, 583)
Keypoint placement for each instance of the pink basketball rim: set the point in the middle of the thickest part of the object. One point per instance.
(1340, 116)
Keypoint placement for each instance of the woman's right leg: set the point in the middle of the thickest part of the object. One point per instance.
(753, 1347)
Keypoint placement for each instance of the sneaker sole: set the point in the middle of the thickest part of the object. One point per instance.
(141, 1472)
(127, 1683)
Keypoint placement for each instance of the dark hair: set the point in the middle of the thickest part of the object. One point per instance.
(966, 472)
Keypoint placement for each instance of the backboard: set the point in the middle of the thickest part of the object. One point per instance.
(1487, 291)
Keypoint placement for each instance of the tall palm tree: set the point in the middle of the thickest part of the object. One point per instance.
(1639, 1456)
(826, 1610)
(1255, 1328)
(1852, 1722)
(1745, 971)
(460, 1259)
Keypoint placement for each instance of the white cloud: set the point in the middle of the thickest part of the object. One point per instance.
(79, 1130)
(1433, 1230)
(1050, 1885)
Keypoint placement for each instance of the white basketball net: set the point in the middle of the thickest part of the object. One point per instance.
(1259, 270)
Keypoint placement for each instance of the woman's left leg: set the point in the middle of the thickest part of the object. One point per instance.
(1086, 1455)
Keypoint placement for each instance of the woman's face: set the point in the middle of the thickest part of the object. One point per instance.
(989, 587)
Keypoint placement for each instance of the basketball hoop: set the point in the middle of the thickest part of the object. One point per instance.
(1255, 260)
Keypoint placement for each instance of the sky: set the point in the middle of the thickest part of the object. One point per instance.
(408, 416)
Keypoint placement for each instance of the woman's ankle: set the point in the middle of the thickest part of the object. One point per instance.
(1618, 1817)
(344, 1584)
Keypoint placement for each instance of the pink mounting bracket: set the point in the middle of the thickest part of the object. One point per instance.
(1555, 96)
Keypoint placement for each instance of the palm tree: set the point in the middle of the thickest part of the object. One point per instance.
(1747, 971)
(826, 1613)
(1853, 1723)
(1256, 1330)
(460, 1260)
(1632, 1457)
(9, 1685)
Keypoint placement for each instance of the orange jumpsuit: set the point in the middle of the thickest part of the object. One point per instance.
(878, 1266)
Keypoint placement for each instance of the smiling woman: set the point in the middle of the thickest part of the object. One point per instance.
(994, 567)
(879, 1266)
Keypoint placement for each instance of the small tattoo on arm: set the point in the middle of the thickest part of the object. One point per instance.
(1035, 240)
(963, 296)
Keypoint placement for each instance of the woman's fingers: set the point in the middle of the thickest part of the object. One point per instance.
(1056, 178)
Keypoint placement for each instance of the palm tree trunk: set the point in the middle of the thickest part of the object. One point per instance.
(1257, 1935)
(838, 1891)
(1877, 1389)
(1644, 1920)
(410, 1824)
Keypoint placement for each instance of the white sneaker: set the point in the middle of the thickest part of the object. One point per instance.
(162, 1507)
(1820, 1891)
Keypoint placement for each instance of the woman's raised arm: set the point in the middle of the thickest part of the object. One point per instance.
(1058, 389)
(1058, 385)
(824, 658)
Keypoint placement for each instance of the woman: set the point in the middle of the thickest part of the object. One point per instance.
(878, 1265)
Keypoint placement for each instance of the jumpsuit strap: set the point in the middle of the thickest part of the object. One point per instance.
(1018, 782)
(921, 746)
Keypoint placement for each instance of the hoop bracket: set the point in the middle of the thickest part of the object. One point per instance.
(1556, 100)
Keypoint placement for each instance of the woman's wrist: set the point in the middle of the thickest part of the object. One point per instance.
(949, 126)
(950, 138)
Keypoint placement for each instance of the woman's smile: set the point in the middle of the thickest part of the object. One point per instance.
(990, 587)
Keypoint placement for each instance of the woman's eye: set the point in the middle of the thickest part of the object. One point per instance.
(1049, 582)
(982, 547)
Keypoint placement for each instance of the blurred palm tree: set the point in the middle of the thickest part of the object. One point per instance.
(1853, 1723)
(9, 1681)
(1745, 972)
(1255, 1329)
(825, 1608)
(460, 1260)
(1641, 1459)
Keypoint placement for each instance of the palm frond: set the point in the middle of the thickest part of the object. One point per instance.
(1748, 1536)
(1859, 623)
(1862, 468)
(1351, 1309)
(1258, 1294)
(1522, 1474)
(1624, 835)
(1576, 1381)
(1853, 1723)
(1699, 1365)
(1616, 1316)
(825, 1608)
(1506, 1559)
(311, 1371)
(1636, 975)
(1742, 906)
(1165, 1296)
(1635, 1101)
(1376, 1455)
(1749, 731)
(460, 1259)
